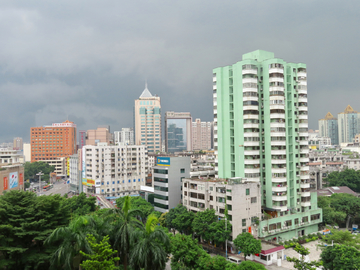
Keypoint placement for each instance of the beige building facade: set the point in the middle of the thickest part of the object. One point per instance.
(101, 134)
(147, 113)
(242, 197)
(201, 135)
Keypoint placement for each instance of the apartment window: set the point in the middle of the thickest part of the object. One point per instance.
(211, 188)
(247, 191)
(244, 222)
(253, 200)
(182, 170)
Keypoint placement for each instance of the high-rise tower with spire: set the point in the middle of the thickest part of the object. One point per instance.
(147, 114)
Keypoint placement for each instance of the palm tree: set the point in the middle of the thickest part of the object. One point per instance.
(124, 227)
(149, 251)
(71, 239)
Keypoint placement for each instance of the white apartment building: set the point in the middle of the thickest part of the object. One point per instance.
(319, 142)
(9, 156)
(242, 197)
(124, 137)
(201, 135)
(75, 175)
(59, 164)
(114, 170)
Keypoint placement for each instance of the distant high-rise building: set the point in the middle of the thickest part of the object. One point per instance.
(82, 138)
(348, 125)
(53, 142)
(101, 134)
(147, 114)
(178, 131)
(201, 135)
(261, 134)
(18, 143)
(328, 127)
(124, 137)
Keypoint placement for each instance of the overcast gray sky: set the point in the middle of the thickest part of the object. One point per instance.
(88, 60)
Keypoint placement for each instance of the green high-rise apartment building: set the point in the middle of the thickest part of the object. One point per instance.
(261, 133)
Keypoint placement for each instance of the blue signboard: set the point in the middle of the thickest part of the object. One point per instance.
(13, 179)
(163, 161)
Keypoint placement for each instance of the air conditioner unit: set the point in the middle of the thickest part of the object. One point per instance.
(298, 203)
(263, 151)
(262, 132)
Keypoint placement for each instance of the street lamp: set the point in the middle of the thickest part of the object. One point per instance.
(40, 174)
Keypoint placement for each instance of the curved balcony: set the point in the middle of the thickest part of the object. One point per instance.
(250, 108)
(304, 168)
(251, 152)
(250, 125)
(302, 91)
(304, 151)
(277, 115)
(278, 152)
(251, 116)
(276, 88)
(279, 189)
(249, 71)
(301, 116)
(303, 125)
(303, 99)
(214, 87)
(249, 80)
(276, 70)
(303, 108)
(251, 134)
(251, 161)
(278, 180)
(304, 177)
(305, 185)
(277, 124)
(277, 106)
(250, 89)
(303, 134)
(276, 79)
(278, 134)
(254, 178)
(304, 142)
(280, 208)
(254, 170)
(278, 170)
(305, 194)
(279, 198)
(304, 159)
(278, 161)
(251, 143)
(301, 74)
(250, 98)
(275, 143)
(305, 204)
(214, 95)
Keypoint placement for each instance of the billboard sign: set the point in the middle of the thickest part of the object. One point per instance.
(163, 161)
(64, 125)
(68, 166)
(21, 179)
(13, 179)
(88, 182)
(6, 183)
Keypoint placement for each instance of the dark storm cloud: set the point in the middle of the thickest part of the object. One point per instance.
(88, 60)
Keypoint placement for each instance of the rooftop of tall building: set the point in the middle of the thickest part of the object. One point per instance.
(348, 109)
(146, 93)
(329, 116)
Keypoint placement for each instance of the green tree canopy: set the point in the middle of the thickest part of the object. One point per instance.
(102, 256)
(81, 204)
(186, 252)
(348, 177)
(346, 203)
(31, 169)
(180, 219)
(218, 233)
(137, 203)
(247, 244)
(25, 222)
(339, 257)
(330, 215)
(249, 265)
(202, 221)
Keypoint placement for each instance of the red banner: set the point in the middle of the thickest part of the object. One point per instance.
(249, 229)
(6, 183)
(21, 179)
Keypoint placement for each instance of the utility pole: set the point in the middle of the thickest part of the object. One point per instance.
(40, 174)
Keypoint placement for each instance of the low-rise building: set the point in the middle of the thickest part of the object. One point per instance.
(242, 198)
(11, 177)
(331, 190)
(168, 175)
(59, 164)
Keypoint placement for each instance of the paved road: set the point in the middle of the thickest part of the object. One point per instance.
(59, 188)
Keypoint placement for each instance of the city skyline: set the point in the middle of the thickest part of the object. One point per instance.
(58, 62)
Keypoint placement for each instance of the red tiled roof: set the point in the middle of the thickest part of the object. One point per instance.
(314, 163)
(334, 163)
(272, 250)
